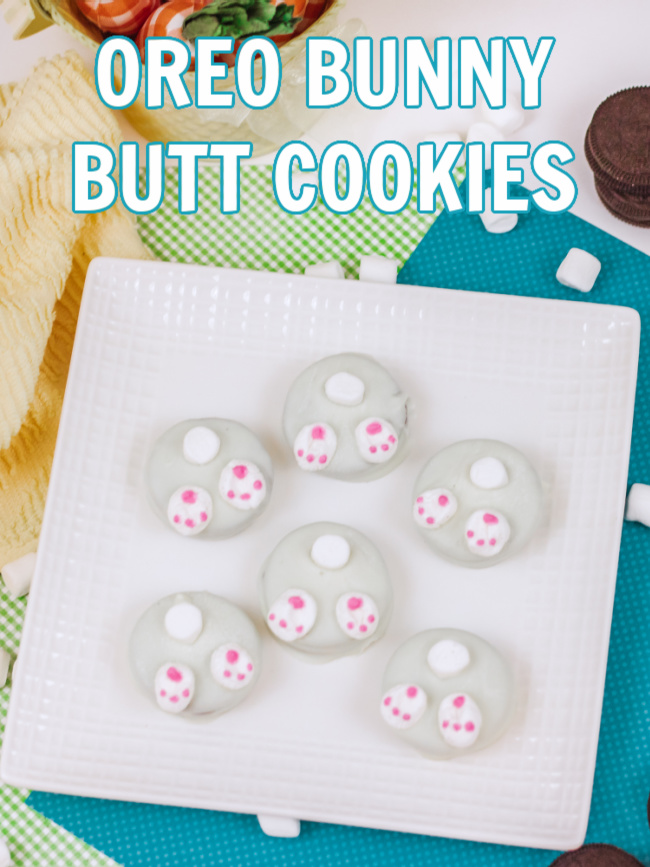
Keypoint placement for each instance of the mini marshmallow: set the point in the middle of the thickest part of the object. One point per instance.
(242, 485)
(440, 139)
(200, 445)
(486, 133)
(174, 686)
(496, 224)
(330, 552)
(448, 658)
(345, 389)
(486, 533)
(377, 269)
(292, 615)
(332, 270)
(638, 504)
(231, 666)
(432, 509)
(489, 474)
(508, 119)
(376, 440)
(314, 446)
(184, 622)
(578, 270)
(189, 510)
(357, 615)
(403, 705)
(460, 720)
(5, 855)
(5, 659)
(18, 575)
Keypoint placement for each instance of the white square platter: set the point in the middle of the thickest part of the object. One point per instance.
(157, 343)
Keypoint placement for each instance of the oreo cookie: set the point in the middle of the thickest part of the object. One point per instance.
(631, 209)
(597, 855)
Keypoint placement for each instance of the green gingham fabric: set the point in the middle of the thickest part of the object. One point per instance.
(263, 237)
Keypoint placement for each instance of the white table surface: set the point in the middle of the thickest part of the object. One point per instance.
(600, 48)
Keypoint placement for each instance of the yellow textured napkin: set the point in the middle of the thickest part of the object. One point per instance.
(44, 253)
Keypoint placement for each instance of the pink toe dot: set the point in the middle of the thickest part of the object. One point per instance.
(188, 496)
(412, 691)
(240, 471)
(322, 459)
(350, 625)
(232, 656)
(469, 726)
(249, 667)
(373, 449)
(318, 433)
(457, 727)
(459, 701)
(443, 500)
(374, 428)
(173, 698)
(363, 628)
(257, 485)
(310, 459)
(406, 716)
(470, 533)
(226, 673)
(283, 624)
(271, 616)
(420, 499)
(371, 619)
(299, 628)
(490, 519)
(420, 511)
(445, 724)
(493, 541)
(186, 692)
(245, 497)
(385, 447)
(387, 700)
(231, 494)
(204, 516)
(163, 692)
(174, 674)
(431, 520)
(391, 439)
(296, 602)
(177, 519)
(395, 711)
(300, 453)
(481, 542)
(190, 523)
(241, 676)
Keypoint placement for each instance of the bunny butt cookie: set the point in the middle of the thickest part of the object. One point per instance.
(195, 654)
(347, 418)
(325, 592)
(447, 693)
(208, 478)
(477, 502)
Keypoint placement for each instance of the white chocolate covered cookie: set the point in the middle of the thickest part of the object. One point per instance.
(478, 502)
(195, 654)
(208, 478)
(346, 417)
(447, 693)
(325, 592)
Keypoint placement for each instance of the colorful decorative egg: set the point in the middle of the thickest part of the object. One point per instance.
(121, 17)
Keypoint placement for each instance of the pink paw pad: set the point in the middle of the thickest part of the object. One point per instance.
(189, 510)
(314, 447)
(174, 687)
(459, 720)
(432, 509)
(486, 532)
(232, 666)
(377, 440)
(402, 706)
(292, 615)
(357, 615)
(242, 485)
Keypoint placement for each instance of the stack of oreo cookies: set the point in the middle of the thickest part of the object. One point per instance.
(617, 147)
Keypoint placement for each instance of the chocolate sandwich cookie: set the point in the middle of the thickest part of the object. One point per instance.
(617, 143)
(596, 855)
(631, 209)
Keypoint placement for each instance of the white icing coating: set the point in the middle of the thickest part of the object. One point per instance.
(200, 445)
(330, 551)
(345, 389)
(189, 510)
(432, 509)
(292, 615)
(403, 705)
(357, 615)
(314, 446)
(448, 658)
(377, 440)
(184, 622)
(242, 485)
(488, 473)
(459, 719)
(174, 687)
(486, 532)
(232, 666)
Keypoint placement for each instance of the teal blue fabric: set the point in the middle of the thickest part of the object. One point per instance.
(458, 253)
